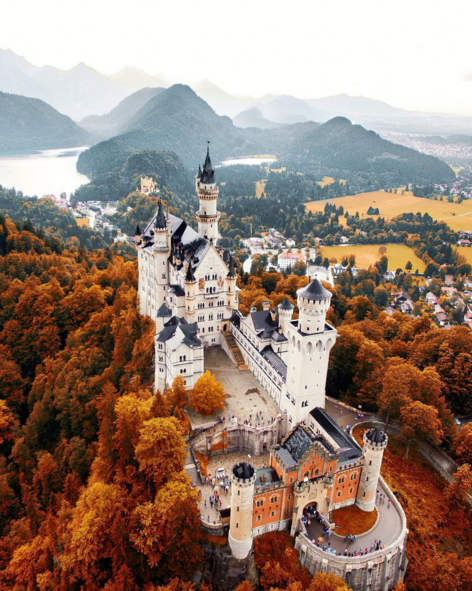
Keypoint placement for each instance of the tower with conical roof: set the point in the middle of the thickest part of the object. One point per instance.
(207, 191)
(310, 339)
(375, 442)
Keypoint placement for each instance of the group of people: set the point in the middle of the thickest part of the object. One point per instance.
(376, 545)
(257, 421)
(381, 498)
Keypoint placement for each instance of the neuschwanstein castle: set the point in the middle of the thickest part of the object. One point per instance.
(187, 284)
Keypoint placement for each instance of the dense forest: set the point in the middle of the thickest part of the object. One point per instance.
(85, 483)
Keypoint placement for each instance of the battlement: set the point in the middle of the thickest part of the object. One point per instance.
(244, 473)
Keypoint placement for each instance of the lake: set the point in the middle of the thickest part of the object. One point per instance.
(249, 160)
(45, 172)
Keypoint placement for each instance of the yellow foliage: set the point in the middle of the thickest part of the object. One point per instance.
(207, 395)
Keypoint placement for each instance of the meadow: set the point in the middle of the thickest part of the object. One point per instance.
(458, 216)
(368, 254)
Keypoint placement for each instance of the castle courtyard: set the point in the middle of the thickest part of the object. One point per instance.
(219, 470)
(245, 397)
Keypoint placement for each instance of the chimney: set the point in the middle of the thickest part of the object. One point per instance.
(266, 306)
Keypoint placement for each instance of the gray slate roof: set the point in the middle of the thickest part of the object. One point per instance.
(263, 323)
(189, 330)
(315, 291)
(163, 312)
(348, 448)
(275, 361)
(286, 305)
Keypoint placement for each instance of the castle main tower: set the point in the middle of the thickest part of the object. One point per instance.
(310, 340)
(242, 495)
(375, 442)
(207, 191)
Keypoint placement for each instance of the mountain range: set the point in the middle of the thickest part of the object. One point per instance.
(177, 119)
(82, 92)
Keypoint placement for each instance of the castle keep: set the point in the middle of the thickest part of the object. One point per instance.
(187, 284)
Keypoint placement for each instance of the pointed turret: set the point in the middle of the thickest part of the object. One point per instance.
(199, 173)
(138, 231)
(208, 176)
(189, 277)
(161, 222)
(232, 271)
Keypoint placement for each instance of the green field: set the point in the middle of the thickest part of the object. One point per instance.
(368, 254)
(458, 216)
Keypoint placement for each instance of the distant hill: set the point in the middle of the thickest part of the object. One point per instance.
(176, 120)
(32, 124)
(289, 109)
(222, 102)
(253, 117)
(347, 149)
(354, 107)
(135, 79)
(115, 121)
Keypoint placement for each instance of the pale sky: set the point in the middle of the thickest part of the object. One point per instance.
(414, 54)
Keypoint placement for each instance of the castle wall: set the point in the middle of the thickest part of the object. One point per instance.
(376, 571)
(254, 440)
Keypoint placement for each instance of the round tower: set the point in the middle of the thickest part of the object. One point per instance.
(375, 442)
(207, 191)
(231, 278)
(242, 500)
(285, 314)
(313, 303)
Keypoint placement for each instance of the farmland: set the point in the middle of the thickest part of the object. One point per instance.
(457, 215)
(368, 254)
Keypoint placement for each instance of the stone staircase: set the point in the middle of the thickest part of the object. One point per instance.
(233, 346)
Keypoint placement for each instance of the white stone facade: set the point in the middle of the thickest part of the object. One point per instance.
(185, 276)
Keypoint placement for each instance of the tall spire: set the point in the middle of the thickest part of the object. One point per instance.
(208, 176)
(161, 222)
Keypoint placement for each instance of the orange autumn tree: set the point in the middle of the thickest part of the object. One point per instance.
(420, 421)
(207, 395)
(168, 530)
(458, 490)
(161, 449)
(177, 393)
(463, 444)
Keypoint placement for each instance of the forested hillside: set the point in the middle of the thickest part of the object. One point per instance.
(164, 167)
(89, 497)
(50, 219)
(344, 150)
(32, 124)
